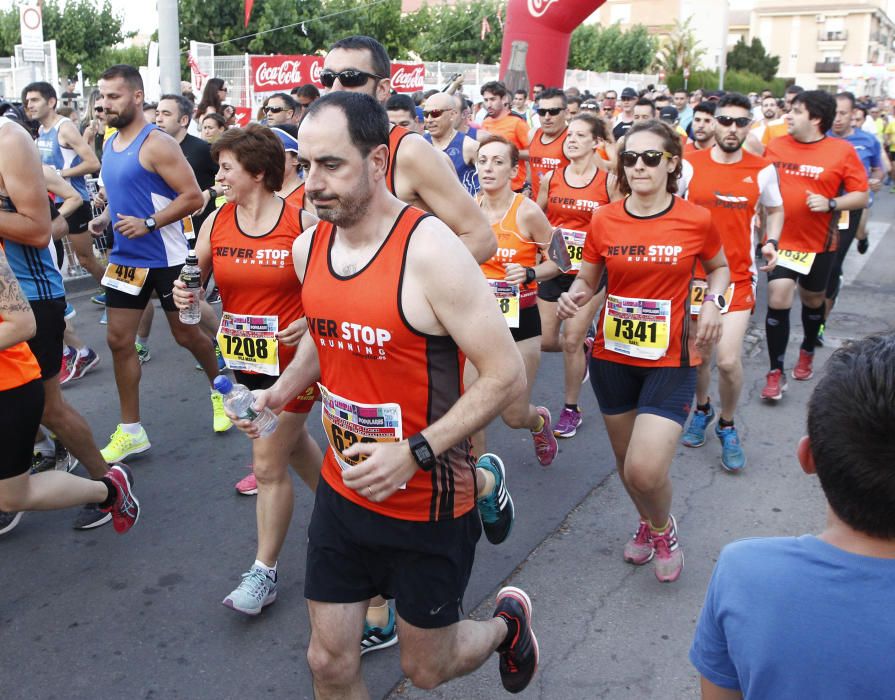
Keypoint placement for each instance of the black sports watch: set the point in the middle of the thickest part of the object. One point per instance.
(149, 223)
(832, 204)
(530, 275)
(422, 452)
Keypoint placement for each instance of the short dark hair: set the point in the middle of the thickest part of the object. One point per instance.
(661, 98)
(679, 90)
(368, 125)
(219, 120)
(495, 87)
(382, 64)
(819, 105)
(846, 95)
(706, 107)
(552, 94)
(45, 89)
(403, 103)
(524, 93)
(127, 73)
(258, 150)
(572, 99)
(496, 138)
(851, 416)
(597, 126)
(306, 90)
(646, 102)
(734, 99)
(288, 99)
(794, 90)
(184, 104)
(671, 142)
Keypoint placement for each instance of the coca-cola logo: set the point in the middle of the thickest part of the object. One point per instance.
(404, 79)
(286, 73)
(537, 8)
(316, 70)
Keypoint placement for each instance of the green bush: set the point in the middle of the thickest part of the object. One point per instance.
(736, 81)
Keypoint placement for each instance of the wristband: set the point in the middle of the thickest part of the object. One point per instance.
(773, 242)
(530, 275)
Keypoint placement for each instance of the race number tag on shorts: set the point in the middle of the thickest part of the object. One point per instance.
(637, 327)
(795, 261)
(575, 245)
(346, 422)
(188, 230)
(249, 343)
(697, 294)
(507, 295)
(124, 278)
(844, 217)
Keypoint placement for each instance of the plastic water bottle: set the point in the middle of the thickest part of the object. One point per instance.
(191, 276)
(238, 399)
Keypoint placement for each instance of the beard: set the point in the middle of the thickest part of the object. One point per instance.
(728, 148)
(349, 209)
(122, 119)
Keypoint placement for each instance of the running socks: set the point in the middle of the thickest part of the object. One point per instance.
(573, 407)
(722, 423)
(270, 571)
(113, 493)
(812, 319)
(776, 326)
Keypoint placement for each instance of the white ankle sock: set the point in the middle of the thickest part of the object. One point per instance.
(132, 428)
(271, 571)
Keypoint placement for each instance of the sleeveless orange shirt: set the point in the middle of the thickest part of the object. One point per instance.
(372, 361)
(571, 208)
(17, 366)
(296, 197)
(513, 248)
(395, 136)
(255, 274)
(545, 158)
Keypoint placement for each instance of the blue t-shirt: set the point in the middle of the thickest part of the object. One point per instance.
(468, 175)
(867, 146)
(795, 617)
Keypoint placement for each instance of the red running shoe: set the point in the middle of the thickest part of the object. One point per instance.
(775, 386)
(126, 509)
(804, 369)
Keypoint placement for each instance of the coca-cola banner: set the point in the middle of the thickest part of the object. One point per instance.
(282, 73)
(408, 77)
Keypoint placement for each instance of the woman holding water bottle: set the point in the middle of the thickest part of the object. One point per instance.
(247, 244)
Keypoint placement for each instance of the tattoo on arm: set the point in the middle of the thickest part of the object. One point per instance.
(12, 300)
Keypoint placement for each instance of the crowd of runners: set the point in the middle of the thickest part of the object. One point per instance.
(399, 266)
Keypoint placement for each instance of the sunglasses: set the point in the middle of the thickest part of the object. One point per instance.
(434, 113)
(97, 109)
(650, 158)
(553, 111)
(350, 77)
(739, 121)
(274, 110)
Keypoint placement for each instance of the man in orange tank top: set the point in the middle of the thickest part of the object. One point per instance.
(545, 152)
(388, 314)
(420, 175)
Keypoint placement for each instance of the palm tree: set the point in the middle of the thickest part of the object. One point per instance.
(680, 50)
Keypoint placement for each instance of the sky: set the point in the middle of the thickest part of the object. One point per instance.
(139, 15)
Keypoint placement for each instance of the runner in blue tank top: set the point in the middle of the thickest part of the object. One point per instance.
(440, 112)
(150, 188)
(63, 148)
(25, 236)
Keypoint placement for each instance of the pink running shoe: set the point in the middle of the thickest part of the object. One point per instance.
(639, 549)
(545, 443)
(669, 561)
(248, 486)
(568, 423)
(69, 361)
(126, 508)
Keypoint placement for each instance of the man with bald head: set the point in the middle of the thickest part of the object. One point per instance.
(439, 113)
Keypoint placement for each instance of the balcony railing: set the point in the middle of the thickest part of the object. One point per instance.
(841, 35)
(827, 67)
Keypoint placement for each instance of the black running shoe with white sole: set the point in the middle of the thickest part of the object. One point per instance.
(519, 652)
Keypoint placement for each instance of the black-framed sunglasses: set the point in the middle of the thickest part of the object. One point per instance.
(274, 110)
(98, 109)
(650, 158)
(434, 113)
(350, 77)
(553, 111)
(741, 122)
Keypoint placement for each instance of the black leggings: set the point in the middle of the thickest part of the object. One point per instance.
(21, 408)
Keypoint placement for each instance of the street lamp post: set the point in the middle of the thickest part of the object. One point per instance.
(169, 47)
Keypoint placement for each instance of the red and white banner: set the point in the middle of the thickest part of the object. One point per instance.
(243, 116)
(282, 73)
(408, 77)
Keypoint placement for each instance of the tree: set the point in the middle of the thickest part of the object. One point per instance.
(453, 33)
(82, 34)
(680, 50)
(610, 49)
(753, 58)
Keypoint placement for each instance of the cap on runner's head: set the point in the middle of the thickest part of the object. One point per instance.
(290, 143)
(629, 93)
(668, 114)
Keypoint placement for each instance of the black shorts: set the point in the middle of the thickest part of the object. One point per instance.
(77, 222)
(661, 391)
(159, 280)
(21, 409)
(355, 554)
(47, 342)
(816, 280)
(529, 324)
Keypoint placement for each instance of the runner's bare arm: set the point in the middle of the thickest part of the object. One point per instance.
(819, 204)
(69, 137)
(71, 200)
(437, 186)
(22, 178)
(457, 301)
(470, 150)
(542, 193)
(710, 691)
(534, 225)
(773, 228)
(708, 330)
(582, 290)
(17, 322)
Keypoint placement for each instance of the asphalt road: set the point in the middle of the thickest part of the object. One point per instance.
(93, 613)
